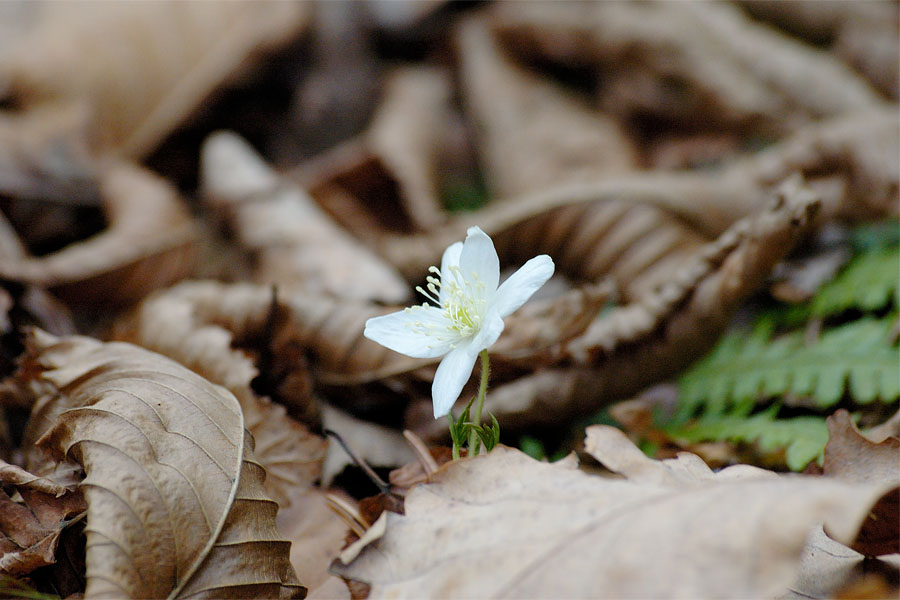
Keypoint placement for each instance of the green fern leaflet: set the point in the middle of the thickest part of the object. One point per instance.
(869, 283)
(860, 357)
(803, 438)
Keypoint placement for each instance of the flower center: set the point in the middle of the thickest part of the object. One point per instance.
(464, 300)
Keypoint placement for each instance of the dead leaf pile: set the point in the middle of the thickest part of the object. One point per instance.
(202, 203)
(508, 526)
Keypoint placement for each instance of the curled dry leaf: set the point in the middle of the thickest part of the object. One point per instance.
(863, 33)
(43, 157)
(147, 245)
(387, 178)
(139, 69)
(175, 500)
(294, 242)
(532, 134)
(660, 333)
(198, 324)
(30, 529)
(316, 534)
(689, 61)
(851, 162)
(851, 457)
(405, 135)
(539, 330)
(670, 529)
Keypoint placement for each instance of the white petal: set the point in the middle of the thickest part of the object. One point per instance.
(449, 260)
(490, 330)
(452, 374)
(478, 259)
(522, 284)
(403, 332)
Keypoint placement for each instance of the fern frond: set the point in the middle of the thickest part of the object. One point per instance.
(860, 357)
(803, 438)
(869, 283)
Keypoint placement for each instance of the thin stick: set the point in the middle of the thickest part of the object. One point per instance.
(418, 446)
(372, 475)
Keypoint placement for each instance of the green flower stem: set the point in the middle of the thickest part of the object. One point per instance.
(474, 441)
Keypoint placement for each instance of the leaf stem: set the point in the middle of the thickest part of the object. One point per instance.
(474, 441)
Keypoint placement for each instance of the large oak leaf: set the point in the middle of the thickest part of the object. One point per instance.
(507, 526)
(176, 505)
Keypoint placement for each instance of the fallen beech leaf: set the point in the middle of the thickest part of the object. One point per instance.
(333, 588)
(316, 533)
(197, 324)
(294, 242)
(862, 33)
(532, 134)
(505, 525)
(851, 162)
(849, 456)
(406, 134)
(139, 68)
(30, 530)
(689, 61)
(652, 338)
(148, 245)
(853, 457)
(43, 157)
(176, 505)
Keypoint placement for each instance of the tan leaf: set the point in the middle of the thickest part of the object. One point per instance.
(140, 68)
(147, 245)
(30, 529)
(505, 525)
(294, 242)
(531, 133)
(316, 533)
(198, 324)
(689, 61)
(654, 337)
(387, 179)
(176, 505)
(851, 457)
(406, 135)
(863, 33)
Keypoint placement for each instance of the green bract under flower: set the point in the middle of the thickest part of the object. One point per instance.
(465, 315)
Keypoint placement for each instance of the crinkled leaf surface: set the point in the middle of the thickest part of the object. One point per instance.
(507, 526)
(176, 505)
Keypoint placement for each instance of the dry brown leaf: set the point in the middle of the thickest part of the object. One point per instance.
(690, 60)
(851, 162)
(295, 244)
(387, 179)
(505, 525)
(532, 134)
(864, 34)
(176, 505)
(406, 134)
(654, 337)
(316, 533)
(198, 324)
(539, 330)
(139, 69)
(147, 245)
(851, 457)
(30, 530)
(591, 231)
(43, 157)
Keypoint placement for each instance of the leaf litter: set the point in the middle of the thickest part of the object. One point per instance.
(240, 188)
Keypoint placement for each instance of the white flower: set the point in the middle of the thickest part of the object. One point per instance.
(467, 315)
